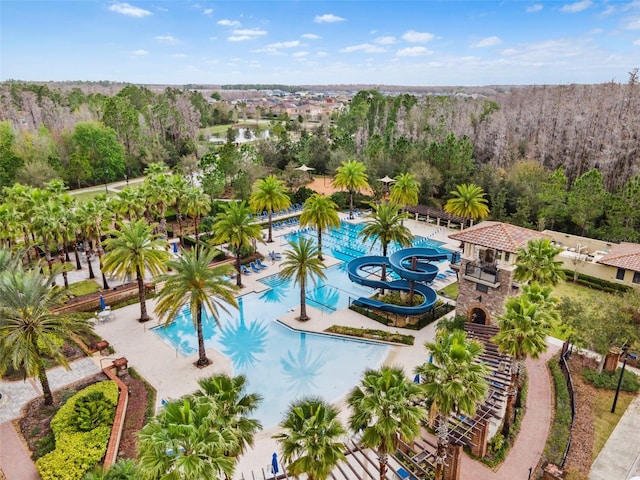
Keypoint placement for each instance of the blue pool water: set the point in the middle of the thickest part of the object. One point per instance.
(282, 364)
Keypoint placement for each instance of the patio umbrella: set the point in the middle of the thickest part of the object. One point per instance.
(102, 303)
(304, 168)
(274, 463)
(416, 379)
(175, 247)
(386, 179)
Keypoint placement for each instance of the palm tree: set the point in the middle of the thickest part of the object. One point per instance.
(193, 282)
(269, 194)
(382, 409)
(541, 295)
(160, 192)
(185, 441)
(537, 263)
(28, 330)
(234, 406)
(129, 203)
(455, 382)
(468, 202)
(233, 224)
(523, 332)
(352, 176)
(194, 203)
(135, 251)
(93, 216)
(321, 213)
(310, 441)
(302, 263)
(405, 190)
(385, 226)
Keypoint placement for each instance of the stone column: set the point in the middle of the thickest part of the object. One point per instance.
(479, 436)
(454, 461)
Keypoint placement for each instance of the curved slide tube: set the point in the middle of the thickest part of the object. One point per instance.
(400, 262)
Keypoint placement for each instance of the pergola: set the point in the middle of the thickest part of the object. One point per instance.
(434, 215)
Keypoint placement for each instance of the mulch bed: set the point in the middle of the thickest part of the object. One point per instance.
(580, 453)
(134, 419)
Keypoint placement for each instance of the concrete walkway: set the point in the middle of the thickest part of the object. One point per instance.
(15, 460)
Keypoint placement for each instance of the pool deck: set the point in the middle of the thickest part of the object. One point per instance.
(173, 374)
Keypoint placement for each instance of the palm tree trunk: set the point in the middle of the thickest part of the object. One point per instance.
(44, 381)
(351, 204)
(303, 303)
(179, 216)
(384, 459)
(144, 317)
(203, 361)
(104, 277)
(77, 254)
(319, 243)
(195, 226)
(238, 279)
(64, 270)
(443, 444)
(270, 237)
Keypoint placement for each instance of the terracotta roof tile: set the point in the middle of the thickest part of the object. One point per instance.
(625, 255)
(498, 235)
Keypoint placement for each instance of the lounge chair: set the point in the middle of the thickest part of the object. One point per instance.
(275, 256)
(260, 264)
(245, 270)
(255, 268)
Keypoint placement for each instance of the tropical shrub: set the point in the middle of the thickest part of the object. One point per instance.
(372, 334)
(609, 381)
(77, 451)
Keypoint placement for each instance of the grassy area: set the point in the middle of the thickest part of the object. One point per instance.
(450, 291)
(603, 420)
(90, 195)
(85, 287)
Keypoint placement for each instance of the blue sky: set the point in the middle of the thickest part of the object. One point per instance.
(302, 42)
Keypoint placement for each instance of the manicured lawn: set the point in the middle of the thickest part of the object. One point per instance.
(603, 420)
(450, 291)
(84, 287)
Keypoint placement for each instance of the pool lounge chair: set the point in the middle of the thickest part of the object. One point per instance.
(255, 268)
(260, 264)
(245, 270)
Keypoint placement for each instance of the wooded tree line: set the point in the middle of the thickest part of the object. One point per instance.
(511, 143)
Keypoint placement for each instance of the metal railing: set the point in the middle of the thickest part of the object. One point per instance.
(485, 274)
(564, 368)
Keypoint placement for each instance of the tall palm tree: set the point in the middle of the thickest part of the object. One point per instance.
(269, 194)
(21, 197)
(468, 202)
(28, 329)
(310, 440)
(160, 192)
(537, 263)
(195, 204)
(10, 224)
(129, 203)
(93, 216)
(541, 295)
(352, 176)
(455, 382)
(385, 226)
(185, 441)
(383, 411)
(302, 264)
(404, 190)
(193, 282)
(234, 406)
(233, 224)
(135, 251)
(321, 213)
(523, 332)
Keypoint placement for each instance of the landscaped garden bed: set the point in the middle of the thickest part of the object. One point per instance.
(370, 334)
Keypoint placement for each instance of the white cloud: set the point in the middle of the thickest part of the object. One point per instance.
(228, 23)
(322, 54)
(311, 36)
(126, 9)
(412, 52)
(418, 37)
(536, 7)
(240, 38)
(168, 39)
(300, 54)
(364, 47)
(389, 40)
(139, 53)
(487, 42)
(632, 24)
(253, 32)
(328, 18)
(290, 44)
(637, 43)
(178, 55)
(208, 11)
(576, 6)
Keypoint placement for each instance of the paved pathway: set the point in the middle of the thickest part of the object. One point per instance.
(15, 461)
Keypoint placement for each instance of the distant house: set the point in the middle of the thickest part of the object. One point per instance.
(624, 264)
(485, 273)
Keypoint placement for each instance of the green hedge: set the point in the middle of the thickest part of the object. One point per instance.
(76, 452)
(372, 334)
(608, 380)
(561, 424)
(597, 283)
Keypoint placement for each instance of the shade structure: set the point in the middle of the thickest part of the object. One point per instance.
(102, 303)
(274, 463)
(304, 168)
(386, 179)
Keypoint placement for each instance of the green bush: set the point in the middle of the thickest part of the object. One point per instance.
(76, 452)
(609, 381)
(561, 424)
(597, 283)
(372, 334)
(93, 411)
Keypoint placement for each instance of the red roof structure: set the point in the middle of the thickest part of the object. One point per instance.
(498, 235)
(624, 255)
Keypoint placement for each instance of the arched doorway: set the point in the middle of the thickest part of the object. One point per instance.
(478, 314)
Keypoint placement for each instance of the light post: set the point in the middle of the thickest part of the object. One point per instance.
(106, 177)
(626, 354)
(126, 179)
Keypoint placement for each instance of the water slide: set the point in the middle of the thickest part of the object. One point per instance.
(411, 265)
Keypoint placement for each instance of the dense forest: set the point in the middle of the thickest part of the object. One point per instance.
(564, 157)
